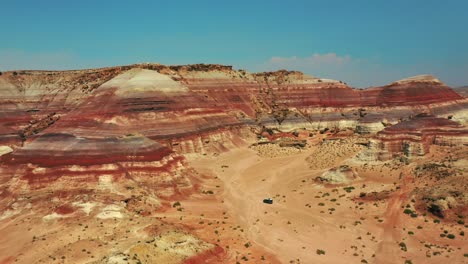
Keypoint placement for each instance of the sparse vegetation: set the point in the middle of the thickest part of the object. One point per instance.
(320, 252)
(408, 211)
(403, 246)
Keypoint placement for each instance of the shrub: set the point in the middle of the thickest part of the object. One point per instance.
(320, 252)
(403, 246)
(451, 236)
(436, 210)
(407, 211)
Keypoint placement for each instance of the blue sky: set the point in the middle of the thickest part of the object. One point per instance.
(361, 42)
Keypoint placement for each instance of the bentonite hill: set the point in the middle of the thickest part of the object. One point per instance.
(150, 163)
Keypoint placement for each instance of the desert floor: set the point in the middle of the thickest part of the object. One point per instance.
(226, 221)
(314, 223)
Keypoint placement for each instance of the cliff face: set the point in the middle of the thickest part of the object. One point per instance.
(423, 89)
(414, 137)
(150, 114)
(198, 108)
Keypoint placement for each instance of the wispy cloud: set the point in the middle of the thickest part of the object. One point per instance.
(328, 59)
(358, 72)
(355, 71)
(362, 72)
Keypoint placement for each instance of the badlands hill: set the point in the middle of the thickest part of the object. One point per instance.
(149, 163)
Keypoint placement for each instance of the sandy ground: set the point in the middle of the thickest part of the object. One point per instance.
(308, 218)
(225, 220)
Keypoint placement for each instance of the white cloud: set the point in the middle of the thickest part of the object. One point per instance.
(314, 60)
(362, 72)
(358, 72)
(355, 71)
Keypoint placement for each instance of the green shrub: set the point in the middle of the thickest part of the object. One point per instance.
(403, 246)
(320, 252)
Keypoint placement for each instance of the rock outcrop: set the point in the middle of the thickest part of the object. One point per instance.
(200, 108)
(414, 137)
(340, 175)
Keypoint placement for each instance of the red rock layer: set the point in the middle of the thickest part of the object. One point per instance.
(129, 124)
(412, 93)
(141, 113)
(414, 136)
(51, 150)
(31, 96)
